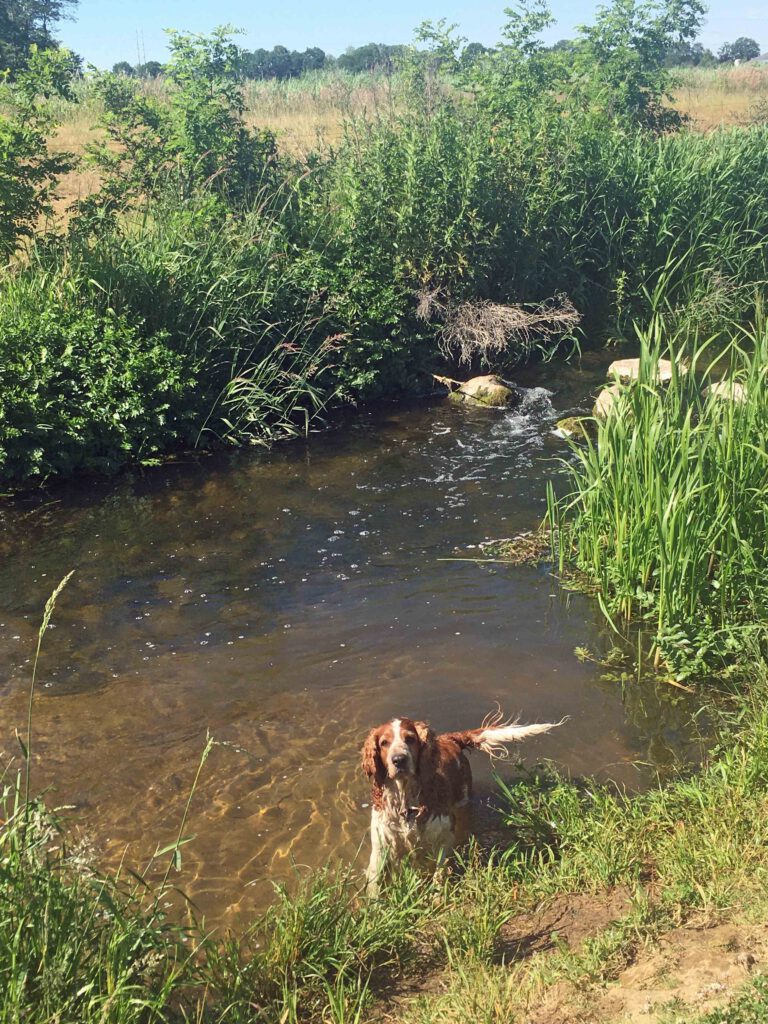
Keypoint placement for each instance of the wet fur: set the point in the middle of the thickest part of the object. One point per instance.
(423, 808)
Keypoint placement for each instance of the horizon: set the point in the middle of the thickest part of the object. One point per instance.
(139, 26)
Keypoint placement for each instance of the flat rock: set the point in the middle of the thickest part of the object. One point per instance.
(730, 390)
(627, 370)
(578, 427)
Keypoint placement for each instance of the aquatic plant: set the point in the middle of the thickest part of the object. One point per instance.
(667, 515)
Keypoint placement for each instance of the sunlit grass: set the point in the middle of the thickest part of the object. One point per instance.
(667, 520)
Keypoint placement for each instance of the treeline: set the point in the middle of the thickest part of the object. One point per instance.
(281, 63)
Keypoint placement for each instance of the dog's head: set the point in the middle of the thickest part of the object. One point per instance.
(397, 749)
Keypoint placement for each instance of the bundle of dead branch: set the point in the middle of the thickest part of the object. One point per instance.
(485, 329)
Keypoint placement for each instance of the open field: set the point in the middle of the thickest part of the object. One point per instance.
(718, 96)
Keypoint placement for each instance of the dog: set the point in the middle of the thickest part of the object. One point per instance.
(422, 787)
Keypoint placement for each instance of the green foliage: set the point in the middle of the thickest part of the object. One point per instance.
(617, 68)
(82, 389)
(668, 516)
(73, 946)
(25, 27)
(741, 49)
(282, 287)
(623, 57)
(414, 211)
(282, 64)
(196, 140)
(697, 837)
(370, 57)
(28, 171)
(520, 80)
(750, 1007)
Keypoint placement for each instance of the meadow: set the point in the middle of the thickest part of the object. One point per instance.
(237, 262)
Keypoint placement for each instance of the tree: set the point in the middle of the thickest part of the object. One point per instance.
(313, 59)
(471, 54)
(29, 23)
(196, 141)
(623, 56)
(29, 173)
(682, 54)
(123, 68)
(369, 57)
(743, 48)
(152, 69)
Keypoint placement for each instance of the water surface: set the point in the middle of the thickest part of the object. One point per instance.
(284, 602)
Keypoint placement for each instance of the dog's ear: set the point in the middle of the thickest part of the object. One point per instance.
(426, 735)
(371, 762)
(427, 749)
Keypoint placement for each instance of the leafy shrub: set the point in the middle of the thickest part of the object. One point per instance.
(28, 171)
(81, 389)
(195, 139)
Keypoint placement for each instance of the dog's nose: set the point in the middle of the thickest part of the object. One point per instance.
(399, 760)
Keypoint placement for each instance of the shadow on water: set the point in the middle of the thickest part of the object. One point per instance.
(286, 601)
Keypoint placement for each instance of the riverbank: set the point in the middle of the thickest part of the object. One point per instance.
(592, 896)
(592, 904)
(215, 288)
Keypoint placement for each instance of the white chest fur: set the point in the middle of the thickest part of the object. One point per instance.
(400, 827)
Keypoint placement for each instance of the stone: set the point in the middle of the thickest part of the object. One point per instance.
(577, 427)
(606, 401)
(488, 390)
(730, 390)
(627, 370)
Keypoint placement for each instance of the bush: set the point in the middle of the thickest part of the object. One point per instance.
(84, 390)
(28, 171)
(195, 139)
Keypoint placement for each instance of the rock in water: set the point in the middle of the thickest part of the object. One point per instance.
(489, 390)
(730, 390)
(627, 370)
(606, 401)
(578, 427)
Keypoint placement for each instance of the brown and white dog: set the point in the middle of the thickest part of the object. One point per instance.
(422, 785)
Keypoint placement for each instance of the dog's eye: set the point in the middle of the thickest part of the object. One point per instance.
(410, 739)
(384, 743)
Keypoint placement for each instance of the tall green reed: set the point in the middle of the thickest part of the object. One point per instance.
(667, 515)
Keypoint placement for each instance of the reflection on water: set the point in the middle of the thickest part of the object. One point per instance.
(284, 603)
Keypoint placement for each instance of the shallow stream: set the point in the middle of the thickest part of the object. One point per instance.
(284, 602)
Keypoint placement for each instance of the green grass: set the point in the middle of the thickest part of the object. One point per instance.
(238, 302)
(79, 946)
(751, 1007)
(667, 515)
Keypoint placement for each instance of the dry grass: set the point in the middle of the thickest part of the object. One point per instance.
(485, 329)
(309, 114)
(712, 97)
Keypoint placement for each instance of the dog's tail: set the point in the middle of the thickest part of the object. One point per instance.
(494, 734)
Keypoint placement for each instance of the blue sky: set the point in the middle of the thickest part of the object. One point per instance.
(110, 30)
